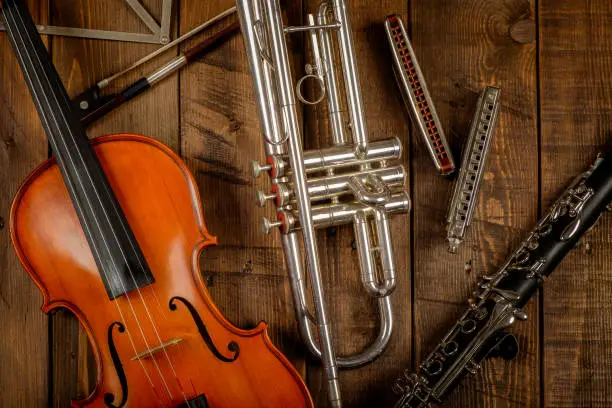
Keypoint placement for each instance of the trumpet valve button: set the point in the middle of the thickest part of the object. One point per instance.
(257, 168)
(262, 198)
(267, 226)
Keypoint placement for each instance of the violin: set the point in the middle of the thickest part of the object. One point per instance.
(112, 230)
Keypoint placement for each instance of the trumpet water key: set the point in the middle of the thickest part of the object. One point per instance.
(416, 96)
(481, 332)
(351, 182)
(473, 164)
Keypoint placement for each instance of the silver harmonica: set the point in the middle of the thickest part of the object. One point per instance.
(416, 96)
(473, 164)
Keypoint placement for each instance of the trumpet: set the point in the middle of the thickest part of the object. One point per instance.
(347, 183)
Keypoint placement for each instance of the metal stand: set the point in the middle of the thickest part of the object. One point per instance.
(160, 32)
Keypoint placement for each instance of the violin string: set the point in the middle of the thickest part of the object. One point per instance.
(18, 35)
(180, 347)
(8, 10)
(148, 313)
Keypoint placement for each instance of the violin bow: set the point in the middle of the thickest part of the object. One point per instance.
(91, 105)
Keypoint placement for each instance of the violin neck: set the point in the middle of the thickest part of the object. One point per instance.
(120, 261)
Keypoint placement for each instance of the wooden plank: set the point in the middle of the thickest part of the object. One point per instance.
(24, 353)
(463, 48)
(576, 115)
(352, 311)
(219, 137)
(81, 63)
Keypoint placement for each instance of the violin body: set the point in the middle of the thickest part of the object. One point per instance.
(179, 351)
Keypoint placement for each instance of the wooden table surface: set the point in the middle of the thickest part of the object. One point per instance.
(553, 60)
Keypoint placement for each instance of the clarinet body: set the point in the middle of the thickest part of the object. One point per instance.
(481, 332)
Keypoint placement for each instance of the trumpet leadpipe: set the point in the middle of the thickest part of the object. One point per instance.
(416, 96)
(286, 107)
(473, 164)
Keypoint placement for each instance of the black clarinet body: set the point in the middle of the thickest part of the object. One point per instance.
(481, 332)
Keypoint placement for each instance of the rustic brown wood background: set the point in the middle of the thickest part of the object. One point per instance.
(553, 59)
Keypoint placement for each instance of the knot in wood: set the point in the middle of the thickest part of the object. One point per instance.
(9, 142)
(523, 31)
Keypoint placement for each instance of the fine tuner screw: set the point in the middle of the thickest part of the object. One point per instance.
(267, 226)
(262, 198)
(257, 169)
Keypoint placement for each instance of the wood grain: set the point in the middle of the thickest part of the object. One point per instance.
(470, 50)
(24, 349)
(576, 40)
(81, 63)
(208, 114)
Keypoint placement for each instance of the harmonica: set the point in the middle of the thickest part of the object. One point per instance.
(473, 164)
(416, 96)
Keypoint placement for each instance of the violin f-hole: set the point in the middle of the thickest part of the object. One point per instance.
(109, 398)
(232, 346)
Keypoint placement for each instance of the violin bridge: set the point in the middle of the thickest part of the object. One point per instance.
(151, 352)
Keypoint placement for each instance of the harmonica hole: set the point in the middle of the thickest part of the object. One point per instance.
(468, 326)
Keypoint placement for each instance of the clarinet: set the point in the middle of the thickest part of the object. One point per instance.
(481, 332)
